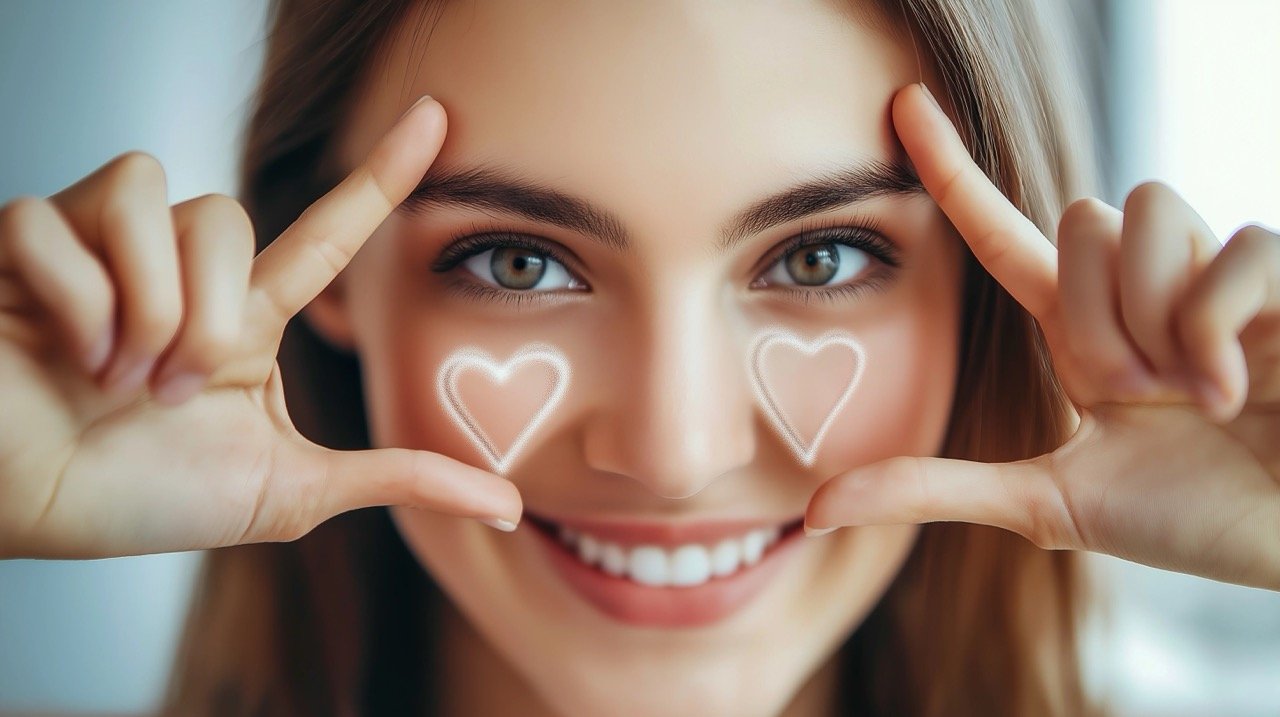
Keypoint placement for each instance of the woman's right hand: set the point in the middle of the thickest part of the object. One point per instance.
(166, 429)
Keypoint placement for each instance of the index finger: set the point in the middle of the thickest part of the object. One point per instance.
(307, 256)
(1003, 240)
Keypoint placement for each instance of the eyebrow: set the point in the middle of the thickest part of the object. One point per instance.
(505, 191)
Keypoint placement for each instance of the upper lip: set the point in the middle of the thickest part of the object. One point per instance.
(628, 533)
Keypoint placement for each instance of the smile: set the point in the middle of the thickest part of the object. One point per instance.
(663, 574)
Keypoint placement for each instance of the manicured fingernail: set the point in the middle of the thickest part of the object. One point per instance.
(499, 523)
(179, 387)
(815, 532)
(929, 94)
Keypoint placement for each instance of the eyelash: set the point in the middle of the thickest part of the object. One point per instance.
(477, 239)
(862, 233)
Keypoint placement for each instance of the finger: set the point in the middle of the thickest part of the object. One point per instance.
(1020, 496)
(1241, 283)
(304, 259)
(122, 212)
(1011, 248)
(63, 276)
(215, 241)
(348, 480)
(1163, 245)
(1088, 261)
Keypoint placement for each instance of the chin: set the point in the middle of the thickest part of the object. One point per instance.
(701, 690)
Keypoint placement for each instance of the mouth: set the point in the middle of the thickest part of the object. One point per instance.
(665, 574)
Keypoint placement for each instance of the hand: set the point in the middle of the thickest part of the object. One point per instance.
(173, 434)
(1167, 344)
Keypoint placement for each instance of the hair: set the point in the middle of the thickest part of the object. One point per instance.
(979, 621)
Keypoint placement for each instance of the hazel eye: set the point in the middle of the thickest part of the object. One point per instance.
(519, 269)
(818, 264)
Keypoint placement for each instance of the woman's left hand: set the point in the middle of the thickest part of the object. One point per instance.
(1167, 343)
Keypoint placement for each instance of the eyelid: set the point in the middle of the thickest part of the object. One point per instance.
(862, 233)
(478, 239)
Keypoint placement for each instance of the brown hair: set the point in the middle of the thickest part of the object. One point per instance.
(978, 622)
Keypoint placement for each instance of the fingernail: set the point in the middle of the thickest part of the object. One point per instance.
(1138, 383)
(126, 380)
(179, 387)
(929, 94)
(815, 532)
(97, 356)
(414, 106)
(500, 523)
(1210, 395)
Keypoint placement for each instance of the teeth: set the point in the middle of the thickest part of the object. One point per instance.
(685, 566)
(690, 565)
(725, 557)
(614, 560)
(753, 546)
(648, 565)
(588, 549)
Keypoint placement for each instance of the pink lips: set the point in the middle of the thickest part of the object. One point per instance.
(632, 603)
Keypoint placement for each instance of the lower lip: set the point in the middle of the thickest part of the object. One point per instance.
(650, 606)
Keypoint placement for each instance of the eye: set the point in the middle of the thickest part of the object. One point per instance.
(817, 264)
(520, 269)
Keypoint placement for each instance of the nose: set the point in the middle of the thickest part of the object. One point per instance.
(680, 409)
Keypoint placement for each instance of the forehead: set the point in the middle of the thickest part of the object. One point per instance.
(656, 103)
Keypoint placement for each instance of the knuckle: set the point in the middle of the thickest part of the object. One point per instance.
(1084, 212)
(1254, 238)
(222, 212)
(1085, 223)
(136, 167)
(908, 468)
(19, 213)
(1146, 195)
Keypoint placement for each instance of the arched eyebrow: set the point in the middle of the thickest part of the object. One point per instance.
(496, 189)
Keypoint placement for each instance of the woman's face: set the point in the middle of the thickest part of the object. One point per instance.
(601, 158)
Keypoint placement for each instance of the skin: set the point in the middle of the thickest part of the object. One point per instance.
(668, 319)
(1167, 342)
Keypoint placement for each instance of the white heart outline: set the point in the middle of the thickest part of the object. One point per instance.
(805, 454)
(470, 357)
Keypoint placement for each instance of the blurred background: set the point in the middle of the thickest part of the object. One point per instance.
(1186, 91)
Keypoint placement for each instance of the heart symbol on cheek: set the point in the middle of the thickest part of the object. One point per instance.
(515, 397)
(803, 385)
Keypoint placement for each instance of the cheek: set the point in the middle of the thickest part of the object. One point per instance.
(902, 403)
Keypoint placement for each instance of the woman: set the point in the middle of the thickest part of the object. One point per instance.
(645, 190)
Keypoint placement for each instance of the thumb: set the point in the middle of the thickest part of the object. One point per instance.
(1020, 496)
(335, 482)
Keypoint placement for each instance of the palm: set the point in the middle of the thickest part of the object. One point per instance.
(120, 475)
(1163, 486)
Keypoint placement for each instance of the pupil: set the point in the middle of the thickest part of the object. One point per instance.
(517, 268)
(813, 265)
